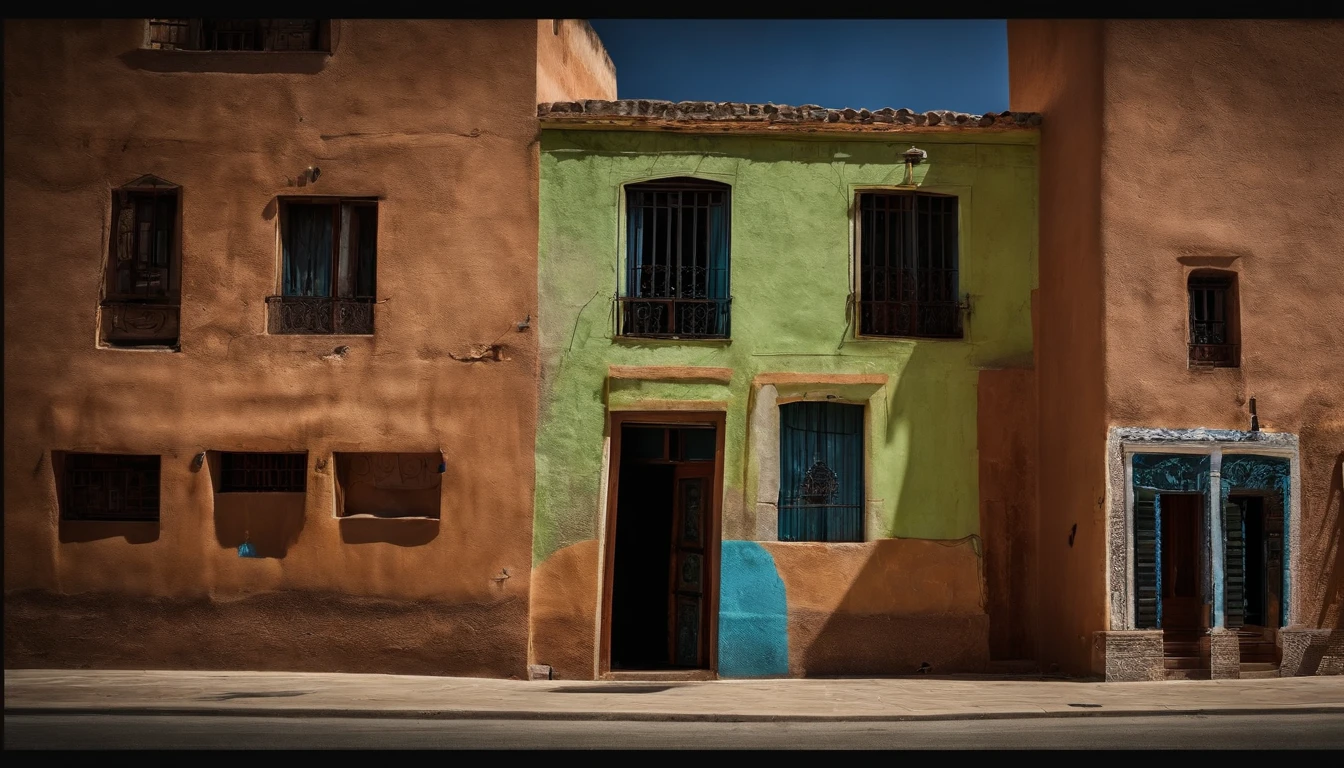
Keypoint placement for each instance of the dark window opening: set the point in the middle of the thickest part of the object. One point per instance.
(263, 472)
(329, 263)
(389, 485)
(1253, 560)
(237, 34)
(908, 265)
(677, 242)
(821, 472)
(110, 487)
(1213, 321)
(140, 298)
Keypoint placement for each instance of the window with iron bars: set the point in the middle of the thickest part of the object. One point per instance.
(140, 303)
(1213, 306)
(328, 267)
(263, 472)
(236, 34)
(907, 277)
(110, 487)
(677, 261)
(821, 483)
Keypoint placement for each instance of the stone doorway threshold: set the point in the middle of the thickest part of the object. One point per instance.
(660, 675)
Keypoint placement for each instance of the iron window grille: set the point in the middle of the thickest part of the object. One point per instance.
(140, 299)
(908, 279)
(328, 268)
(235, 34)
(111, 487)
(677, 261)
(263, 472)
(821, 484)
(1211, 332)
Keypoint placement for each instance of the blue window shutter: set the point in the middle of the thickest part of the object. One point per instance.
(821, 472)
(1147, 560)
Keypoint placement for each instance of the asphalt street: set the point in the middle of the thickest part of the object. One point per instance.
(1277, 731)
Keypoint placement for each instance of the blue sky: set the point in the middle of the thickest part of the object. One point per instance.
(921, 64)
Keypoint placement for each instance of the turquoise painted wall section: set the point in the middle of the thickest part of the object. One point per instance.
(753, 613)
(791, 267)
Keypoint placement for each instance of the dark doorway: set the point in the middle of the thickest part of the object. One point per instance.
(660, 607)
(1254, 566)
(1182, 540)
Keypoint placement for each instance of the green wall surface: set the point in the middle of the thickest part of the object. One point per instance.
(791, 276)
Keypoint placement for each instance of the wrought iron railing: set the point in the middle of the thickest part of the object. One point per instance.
(234, 34)
(137, 323)
(669, 318)
(1214, 355)
(318, 315)
(909, 302)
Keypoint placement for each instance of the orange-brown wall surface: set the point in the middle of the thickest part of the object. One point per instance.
(1054, 68)
(437, 119)
(1222, 149)
(572, 63)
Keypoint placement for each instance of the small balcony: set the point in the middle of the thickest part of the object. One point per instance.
(1214, 355)
(319, 315)
(658, 318)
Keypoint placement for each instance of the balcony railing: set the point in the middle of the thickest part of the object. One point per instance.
(140, 324)
(319, 315)
(659, 318)
(1214, 355)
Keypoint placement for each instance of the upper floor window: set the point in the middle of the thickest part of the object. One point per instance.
(141, 292)
(99, 486)
(329, 260)
(676, 272)
(1213, 320)
(237, 34)
(907, 244)
(821, 472)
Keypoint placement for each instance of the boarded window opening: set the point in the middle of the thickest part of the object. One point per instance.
(821, 482)
(110, 487)
(388, 485)
(908, 273)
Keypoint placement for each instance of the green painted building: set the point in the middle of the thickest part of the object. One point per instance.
(787, 391)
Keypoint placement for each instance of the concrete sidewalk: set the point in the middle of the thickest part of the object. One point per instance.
(383, 696)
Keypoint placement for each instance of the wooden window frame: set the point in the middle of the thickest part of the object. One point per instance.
(1202, 287)
(331, 313)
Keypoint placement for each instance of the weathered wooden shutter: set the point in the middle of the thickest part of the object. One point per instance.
(1147, 560)
(1234, 565)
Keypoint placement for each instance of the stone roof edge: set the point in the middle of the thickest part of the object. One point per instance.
(690, 114)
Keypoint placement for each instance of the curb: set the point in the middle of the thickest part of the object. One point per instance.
(679, 717)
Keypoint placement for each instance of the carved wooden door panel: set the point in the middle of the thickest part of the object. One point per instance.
(688, 607)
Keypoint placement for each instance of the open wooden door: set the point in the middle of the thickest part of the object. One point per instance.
(688, 605)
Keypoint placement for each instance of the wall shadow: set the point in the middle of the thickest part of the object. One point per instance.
(1331, 521)
(269, 522)
(74, 531)
(236, 62)
(405, 532)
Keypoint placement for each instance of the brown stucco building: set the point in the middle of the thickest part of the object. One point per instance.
(1190, 323)
(270, 361)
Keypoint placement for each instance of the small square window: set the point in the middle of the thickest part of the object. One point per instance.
(237, 34)
(388, 485)
(263, 472)
(110, 487)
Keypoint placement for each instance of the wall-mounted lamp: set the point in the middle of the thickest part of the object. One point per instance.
(1255, 420)
(198, 462)
(313, 172)
(443, 462)
(913, 156)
